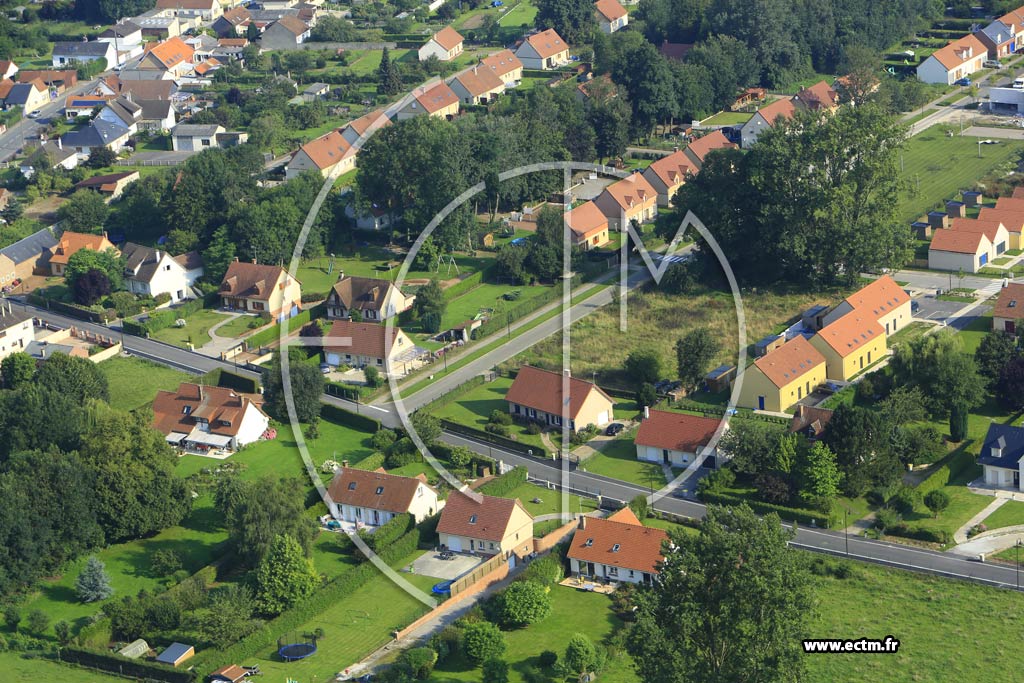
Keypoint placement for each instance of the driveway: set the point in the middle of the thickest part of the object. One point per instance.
(935, 310)
(431, 564)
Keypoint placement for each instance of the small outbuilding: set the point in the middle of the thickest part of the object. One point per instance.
(718, 379)
(176, 653)
(134, 649)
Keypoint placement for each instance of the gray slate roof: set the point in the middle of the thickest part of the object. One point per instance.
(80, 48)
(98, 133)
(30, 247)
(998, 32)
(19, 93)
(1007, 438)
(188, 130)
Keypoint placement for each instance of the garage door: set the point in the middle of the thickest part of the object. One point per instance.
(455, 544)
(602, 418)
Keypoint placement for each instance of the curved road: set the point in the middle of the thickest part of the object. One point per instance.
(592, 485)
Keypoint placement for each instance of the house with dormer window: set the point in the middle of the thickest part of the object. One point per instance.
(1001, 455)
(474, 523)
(783, 377)
(200, 418)
(959, 59)
(617, 549)
(366, 498)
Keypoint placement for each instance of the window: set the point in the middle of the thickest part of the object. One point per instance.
(615, 548)
(257, 305)
(380, 490)
(492, 546)
(206, 142)
(612, 571)
(472, 519)
(589, 542)
(187, 410)
(351, 486)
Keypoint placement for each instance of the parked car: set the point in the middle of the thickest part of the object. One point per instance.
(325, 368)
(963, 81)
(993, 64)
(614, 429)
(35, 114)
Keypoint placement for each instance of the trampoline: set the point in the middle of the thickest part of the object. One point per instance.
(294, 651)
(442, 588)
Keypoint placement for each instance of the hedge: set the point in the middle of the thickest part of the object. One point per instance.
(161, 319)
(272, 333)
(487, 437)
(504, 483)
(500, 322)
(310, 608)
(785, 513)
(951, 468)
(73, 310)
(389, 532)
(126, 667)
(333, 413)
(247, 385)
(477, 278)
(448, 397)
(940, 536)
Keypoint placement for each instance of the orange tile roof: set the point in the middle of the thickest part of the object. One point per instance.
(542, 390)
(477, 516)
(1011, 203)
(436, 98)
(448, 38)
(376, 490)
(956, 53)
(878, 298)
(294, 25)
(587, 220)
(773, 111)
(547, 43)
(957, 241)
(701, 147)
(790, 361)
(676, 431)
(479, 81)
(1012, 219)
(851, 332)
(172, 52)
(176, 411)
(326, 150)
(673, 169)
(251, 280)
(988, 228)
(363, 123)
(367, 339)
(618, 542)
(71, 242)
(1010, 303)
(610, 9)
(502, 63)
(819, 96)
(632, 191)
(233, 42)
(5, 88)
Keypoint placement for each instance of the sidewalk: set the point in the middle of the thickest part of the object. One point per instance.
(960, 536)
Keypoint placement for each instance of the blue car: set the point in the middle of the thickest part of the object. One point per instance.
(962, 81)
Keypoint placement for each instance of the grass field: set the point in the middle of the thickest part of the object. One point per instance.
(197, 541)
(196, 330)
(936, 167)
(474, 408)
(908, 333)
(618, 460)
(975, 331)
(1010, 513)
(19, 670)
(727, 118)
(522, 14)
(550, 500)
(239, 326)
(487, 296)
(368, 262)
(127, 392)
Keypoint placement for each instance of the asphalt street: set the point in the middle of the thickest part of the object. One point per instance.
(27, 129)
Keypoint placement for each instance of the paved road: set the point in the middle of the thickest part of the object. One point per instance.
(28, 129)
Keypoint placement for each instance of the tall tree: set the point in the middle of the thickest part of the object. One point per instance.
(573, 20)
(269, 508)
(93, 583)
(284, 577)
(17, 369)
(79, 379)
(306, 385)
(994, 352)
(694, 353)
(84, 211)
(389, 81)
(819, 476)
(731, 604)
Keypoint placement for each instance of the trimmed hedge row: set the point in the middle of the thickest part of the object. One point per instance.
(389, 532)
(953, 467)
(333, 413)
(308, 609)
(940, 536)
(372, 462)
(504, 483)
(487, 437)
(123, 666)
(162, 319)
(264, 337)
(73, 310)
(460, 288)
(247, 385)
(784, 513)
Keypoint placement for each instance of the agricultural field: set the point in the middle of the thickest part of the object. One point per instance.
(936, 167)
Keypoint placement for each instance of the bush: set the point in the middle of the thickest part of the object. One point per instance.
(521, 604)
(372, 462)
(547, 570)
(499, 429)
(482, 641)
(503, 484)
(382, 439)
(937, 501)
(125, 304)
(401, 458)
(389, 532)
(533, 428)
(161, 298)
(865, 389)
(500, 417)
(887, 518)
(548, 658)
(165, 562)
(904, 500)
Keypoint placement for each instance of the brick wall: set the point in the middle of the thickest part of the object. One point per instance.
(543, 545)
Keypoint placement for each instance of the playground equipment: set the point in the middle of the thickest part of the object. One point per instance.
(292, 649)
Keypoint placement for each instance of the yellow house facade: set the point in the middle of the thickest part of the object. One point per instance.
(850, 344)
(778, 380)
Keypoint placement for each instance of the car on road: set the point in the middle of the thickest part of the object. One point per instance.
(614, 429)
(962, 81)
(35, 114)
(993, 64)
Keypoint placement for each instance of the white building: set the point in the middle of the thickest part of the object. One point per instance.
(203, 418)
(1001, 455)
(368, 498)
(544, 50)
(674, 439)
(959, 59)
(16, 330)
(151, 272)
(446, 45)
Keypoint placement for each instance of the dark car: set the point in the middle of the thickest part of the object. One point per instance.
(614, 428)
(962, 81)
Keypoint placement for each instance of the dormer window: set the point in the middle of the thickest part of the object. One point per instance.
(615, 548)
(589, 542)
(351, 486)
(472, 519)
(187, 410)
(380, 490)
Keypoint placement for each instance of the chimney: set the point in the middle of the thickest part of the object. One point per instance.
(254, 262)
(344, 463)
(236, 259)
(583, 521)
(647, 412)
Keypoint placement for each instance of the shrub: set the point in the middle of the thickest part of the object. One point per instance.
(373, 377)
(12, 617)
(165, 562)
(887, 518)
(548, 658)
(499, 429)
(38, 622)
(500, 417)
(400, 458)
(382, 439)
(161, 298)
(533, 428)
(937, 501)
(546, 571)
(904, 500)
(372, 462)
(503, 484)
(482, 641)
(521, 604)
(420, 661)
(865, 389)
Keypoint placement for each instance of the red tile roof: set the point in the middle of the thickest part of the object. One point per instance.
(252, 281)
(878, 298)
(172, 52)
(363, 123)
(610, 9)
(436, 98)
(851, 332)
(1012, 219)
(502, 63)
(701, 147)
(957, 241)
(1011, 203)
(376, 490)
(618, 542)
(477, 516)
(479, 80)
(542, 390)
(177, 411)
(632, 191)
(367, 339)
(448, 38)
(988, 228)
(773, 111)
(790, 361)
(676, 431)
(71, 242)
(586, 220)
(956, 53)
(547, 43)
(673, 169)
(1010, 303)
(819, 96)
(326, 150)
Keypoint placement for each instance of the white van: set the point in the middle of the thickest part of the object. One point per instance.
(1019, 84)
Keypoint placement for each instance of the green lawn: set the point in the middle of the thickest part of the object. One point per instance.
(618, 460)
(487, 296)
(975, 331)
(474, 408)
(334, 554)
(196, 330)
(908, 333)
(21, 670)
(369, 262)
(936, 167)
(522, 14)
(550, 500)
(572, 611)
(127, 392)
(239, 326)
(197, 541)
(1011, 513)
(727, 118)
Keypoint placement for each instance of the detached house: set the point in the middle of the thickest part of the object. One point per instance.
(446, 45)
(28, 96)
(254, 288)
(203, 10)
(674, 439)
(959, 59)
(850, 344)
(668, 174)
(544, 50)
(505, 66)
(958, 249)
(589, 226)
(173, 57)
(611, 16)
(698, 150)
(995, 231)
(627, 200)
(151, 272)
(7, 69)
(110, 185)
(369, 498)
(1001, 455)
(361, 345)
(1009, 309)
(765, 118)
(27, 256)
(617, 549)
(325, 154)
(882, 299)
(998, 38)
(16, 329)
(1011, 219)
(781, 378)
(475, 523)
(201, 418)
(359, 128)
(375, 300)
(435, 100)
(70, 243)
(80, 52)
(818, 97)
(477, 85)
(537, 395)
(286, 33)
(232, 22)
